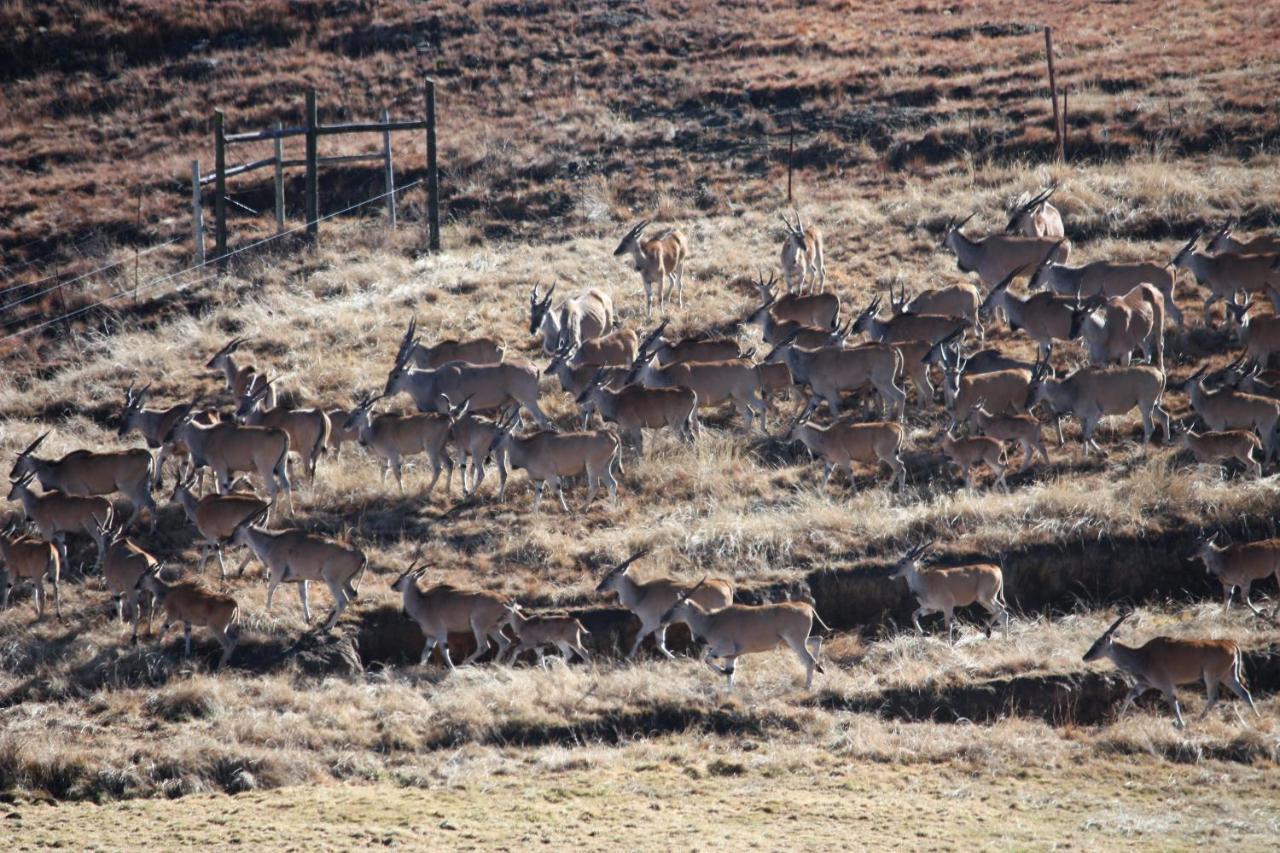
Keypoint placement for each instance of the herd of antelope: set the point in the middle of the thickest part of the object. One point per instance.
(471, 397)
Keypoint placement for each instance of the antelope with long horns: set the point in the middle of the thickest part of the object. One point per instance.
(472, 351)
(547, 457)
(820, 310)
(997, 256)
(241, 379)
(308, 429)
(1036, 217)
(585, 317)
(659, 261)
(802, 257)
(843, 442)
(943, 589)
(84, 473)
(443, 609)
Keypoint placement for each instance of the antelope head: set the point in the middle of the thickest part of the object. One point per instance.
(1102, 645)
(953, 228)
(1186, 250)
(26, 461)
(631, 238)
(539, 308)
(220, 357)
(609, 583)
(1047, 263)
(1028, 207)
(910, 561)
(407, 343)
(133, 402)
(408, 577)
(1217, 242)
(800, 420)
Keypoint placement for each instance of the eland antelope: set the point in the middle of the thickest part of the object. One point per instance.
(659, 261)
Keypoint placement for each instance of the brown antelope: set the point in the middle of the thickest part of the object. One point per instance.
(616, 349)
(636, 408)
(295, 556)
(488, 386)
(1122, 324)
(473, 436)
(1260, 336)
(1163, 663)
(534, 632)
(1045, 317)
(228, 449)
(774, 331)
(650, 600)
(1036, 217)
(1218, 447)
(1226, 276)
(903, 327)
(55, 514)
(1107, 279)
(740, 629)
(842, 443)
(983, 361)
(27, 558)
(968, 452)
(473, 351)
(1000, 391)
(585, 317)
(659, 261)
(1227, 409)
(339, 436)
(1022, 428)
(1224, 243)
(216, 518)
(956, 300)
(1239, 566)
(392, 437)
(241, 379)
(83, 473)
(1000, 256)
(308, 429)
(943, 589)
(829, 371)
(1092, 393)
(820, 310)
(713, 382)
(802, 257)
(443, 609)
(186, 602)
(123, 563)
(576, 379)
(154, 425)
(700, 348)
(549, 456)
(915, 366)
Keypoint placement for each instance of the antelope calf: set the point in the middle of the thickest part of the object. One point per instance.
(968, 452)
(392, 437)
(842, 443)
(1092, 393)
(1217, 447)
(55, 514)
(636, 408)
(473, 351)
(534, 632)
(740, 629)
(216, 518)
(123, 563)
(188, 603)
(830, 371)
(241, 379)
(585, 317)
(1108, 279)
(659, 261)
(548, 457)
(943, 589)
(1226, 276)
(820, 310)
(1022, 428)
(229, 449)
(802, 257)
(1045, 317)
(1223, 242)
(308, 429)
(1036, 217)
(650, 600)
(1228, 409)
(1000, 256)
(1239, 566)
(295, 556)
(26, 558)
(1163, 663)
(714, 382)
(442, 609)
(84, 473)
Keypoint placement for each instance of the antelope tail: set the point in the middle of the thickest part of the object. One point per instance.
(359, 576)
(322, 442)
(818, 618)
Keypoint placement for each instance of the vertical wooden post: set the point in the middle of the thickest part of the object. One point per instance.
(388, 171)
(279, 179)
(1064, 123)
(1053, 89)
(433, 176)
(197, 214)
(791, 147)
(220, 191)
(312, 186)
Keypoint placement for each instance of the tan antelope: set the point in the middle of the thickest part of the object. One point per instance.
(295, 556)
(444, 609)
(473, 436)
(547, 457)
(1223, 242)
(28, 558)
(1001, 392)
(155, 424)
(339, 436)
(942, 589)
(1092, 393)
(576, 379)
(741, 629)
(534, 632)
(774, 331)
(1107, 279)
(1022, 428)
(84, 473)
(616, 349)
(1260, 336)
(391, 437)
(820, 310)
(1045, 317)
(968, 452)
(802, 257)
(308, 429)
(956, 300)
(1122, 324)
(714, 382)
(1163, 663)
(55, 514)
(1239, 566)
(472, 351)
(842, 443)
(635, 408)
(228, 449)
(999, 256)
(186, 602)
(698, 348)
(216, 518)
(585, 317)
(123, 563)
(1218, 447)
(830, 371)
(489, 386)
(1036, 217)
(1227, 409)
(915, 366)
(903, 327)
(1226, 276)
(659, 261)
(650, 600)
(983, 361)
(241, 379)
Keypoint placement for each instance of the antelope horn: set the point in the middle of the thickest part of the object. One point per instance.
(1124, 614)
(33, 445)
(687, 594)
(643, 552)
(957, 226)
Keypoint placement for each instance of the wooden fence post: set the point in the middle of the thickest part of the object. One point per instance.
(1064, 124)
(1053, 90)
(312, 186)
(279, 178)
(433, 176)
(220, 191)
(197, 214)
(388, 171)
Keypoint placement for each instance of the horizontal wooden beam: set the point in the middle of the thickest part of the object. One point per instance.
(239, 170)
(269, 161)
(370, 127)
(273, 133)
